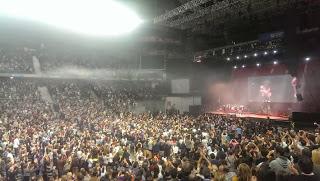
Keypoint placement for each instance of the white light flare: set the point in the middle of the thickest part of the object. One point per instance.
(94, 17)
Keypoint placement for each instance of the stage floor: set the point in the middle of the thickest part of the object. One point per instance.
(252, 115)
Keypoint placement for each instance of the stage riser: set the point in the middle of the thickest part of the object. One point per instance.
(253, 116)
(277, 109)
(302, 119)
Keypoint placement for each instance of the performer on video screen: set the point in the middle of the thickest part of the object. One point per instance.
(265, 92)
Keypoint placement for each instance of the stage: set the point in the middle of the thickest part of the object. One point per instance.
(252, 115)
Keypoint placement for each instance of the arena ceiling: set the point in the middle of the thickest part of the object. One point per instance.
(224, 22)
(206, 24)
(214, 23)
(198, 15)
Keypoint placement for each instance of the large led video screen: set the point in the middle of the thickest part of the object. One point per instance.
(275, 88)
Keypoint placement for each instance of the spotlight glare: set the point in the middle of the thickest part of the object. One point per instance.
(238, 57)
(265, 53)
(275, 51)
(228, 59)
(307, 59)
(245, 56)
(235, 67)
(97, 18)
(258, 64)
(243, 66)
(255, 54)
(275, 62)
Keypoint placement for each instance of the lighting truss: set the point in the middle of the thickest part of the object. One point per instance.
(254, 45)
(179, 10)
(202, 12)
(217, 11)
(183, 1)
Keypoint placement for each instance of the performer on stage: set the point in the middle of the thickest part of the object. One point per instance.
(265, 92)
(296, 85)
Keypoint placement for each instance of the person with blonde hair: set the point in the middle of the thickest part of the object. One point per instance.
(219, 176)
(316, 162)
(243, 173)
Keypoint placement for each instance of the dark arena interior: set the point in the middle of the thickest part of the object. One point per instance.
(160, 90)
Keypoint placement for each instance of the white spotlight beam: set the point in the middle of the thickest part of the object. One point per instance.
(92, 17)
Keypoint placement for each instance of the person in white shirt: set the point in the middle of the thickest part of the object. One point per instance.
(175, 149)
(10, 156)
(16, 143)
(79, 154)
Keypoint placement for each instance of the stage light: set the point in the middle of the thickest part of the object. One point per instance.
(235, 67)
(275, 62)
(275, 51)
(258, 64)
(255, 54)
(307, 59)
(265, 53)
(90, 17)
(245, 56)
(243, 66)
(228, 59)
(238, 57)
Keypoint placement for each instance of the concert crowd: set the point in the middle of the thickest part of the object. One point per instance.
(15, 60)
(93, 135)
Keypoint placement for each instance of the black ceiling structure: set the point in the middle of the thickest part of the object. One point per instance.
(222, 22)
(212, 26)
(192, 14)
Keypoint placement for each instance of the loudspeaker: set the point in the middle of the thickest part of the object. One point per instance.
(302, 119)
